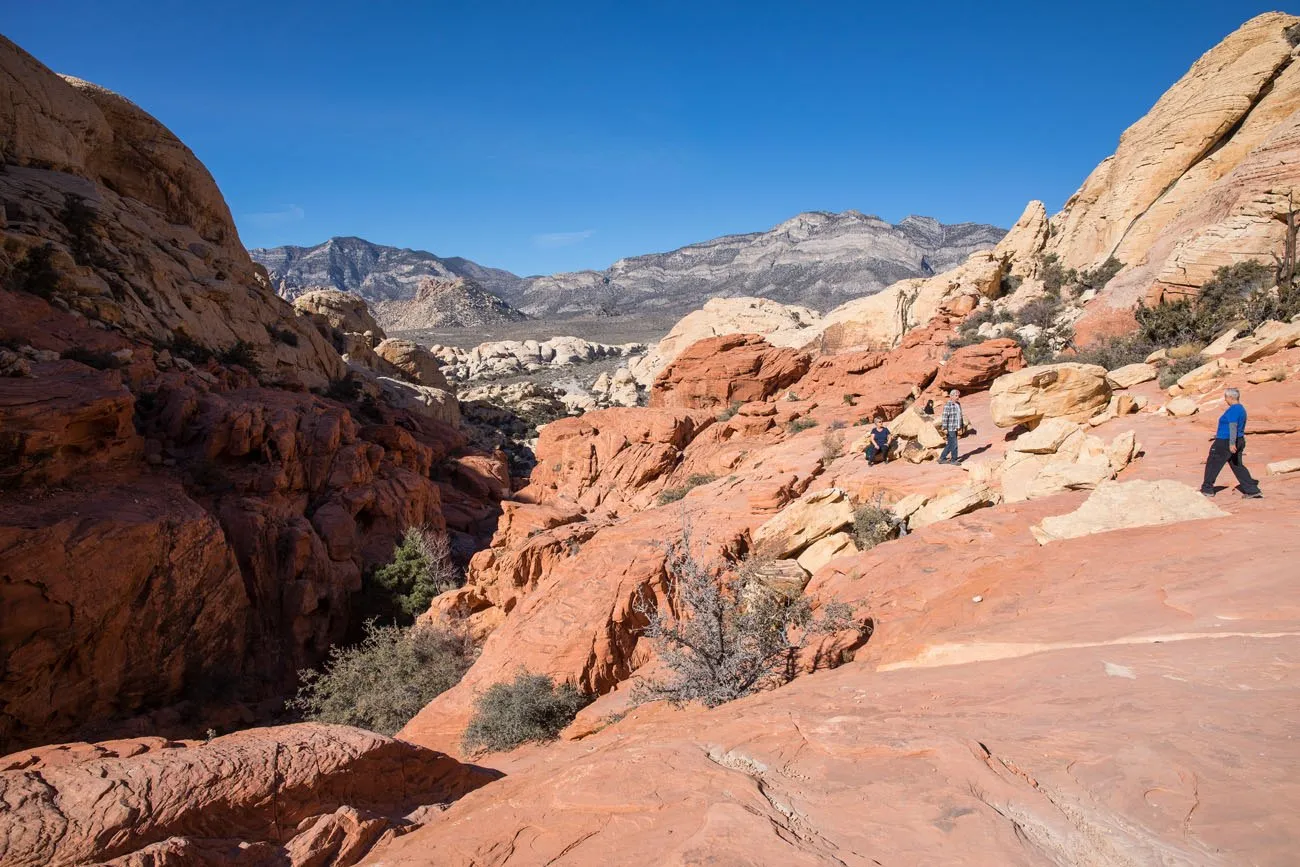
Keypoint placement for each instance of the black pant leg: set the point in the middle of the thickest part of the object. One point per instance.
(1214, 462)
(1245, 481)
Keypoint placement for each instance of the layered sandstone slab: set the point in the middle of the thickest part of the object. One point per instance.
(719, 371)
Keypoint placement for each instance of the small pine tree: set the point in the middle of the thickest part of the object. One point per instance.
(421, 569)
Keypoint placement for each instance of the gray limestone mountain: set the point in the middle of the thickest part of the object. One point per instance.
(815, 259)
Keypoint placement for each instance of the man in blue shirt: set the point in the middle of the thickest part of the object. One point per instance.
(1228, 447)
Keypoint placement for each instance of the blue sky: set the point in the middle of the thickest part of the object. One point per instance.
(543, 137)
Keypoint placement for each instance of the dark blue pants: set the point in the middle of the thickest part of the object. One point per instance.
(1219, 455)
(949, 452)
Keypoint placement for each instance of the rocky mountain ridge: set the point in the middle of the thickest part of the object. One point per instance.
(818, 259)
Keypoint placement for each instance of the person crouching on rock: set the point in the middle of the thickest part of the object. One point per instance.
(951, 423)
(878, 447)
(1229, 447)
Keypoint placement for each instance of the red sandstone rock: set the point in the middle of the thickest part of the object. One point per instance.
(718, 371)
(974, 367)
(261, 785)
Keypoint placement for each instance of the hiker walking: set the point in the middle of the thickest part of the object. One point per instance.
(951, 422)
(1228, 447)
(878, 447)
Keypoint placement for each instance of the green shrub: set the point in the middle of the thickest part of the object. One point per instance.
(420, 570)
(240, 354)
(35, 272)
(529, 708)
(1113, 352)
(727, 635)
(1237, 293)
(1174, 370)
(872, 524)
(190, 349)
(1009, 283)
(285, 335)
(798, 425)
(344, 390)
(79, 219)
(1097, 278)
(672, 495)
(1053, 274)
(730, 411)
(384, 681)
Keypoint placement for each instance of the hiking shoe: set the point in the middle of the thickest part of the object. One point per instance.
(1255, 496)
(1205, 493)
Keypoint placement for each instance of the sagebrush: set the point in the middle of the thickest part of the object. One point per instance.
(382, 682)
(529, 708)
(723, 634)
(873, 524)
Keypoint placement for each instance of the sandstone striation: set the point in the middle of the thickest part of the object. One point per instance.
(720, 371)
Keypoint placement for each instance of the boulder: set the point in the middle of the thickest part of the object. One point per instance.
(433, 403)
(1181, 407)
(1131, 374)
(1067, 390)
(255, 785)
(779, 324)
(803, 522)
(1283, 337)
(965, 499)
(826, 549)
(1281, 468)
(342, 310)
(718, 371)
(973, 368)
(415, 362)
(1197, 378)
(1220, 345)
(1046, 438)
(1120, 505)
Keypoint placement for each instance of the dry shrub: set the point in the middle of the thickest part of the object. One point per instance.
(529, 708)
(384, 681)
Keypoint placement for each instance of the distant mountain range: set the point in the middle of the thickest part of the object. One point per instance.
(816, 259)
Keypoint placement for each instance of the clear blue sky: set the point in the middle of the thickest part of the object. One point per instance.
(548, 136)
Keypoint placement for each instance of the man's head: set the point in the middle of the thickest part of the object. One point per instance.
(1232, 395)
(954, 394)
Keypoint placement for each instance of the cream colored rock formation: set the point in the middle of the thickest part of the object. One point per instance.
(1066, 390)
(1121, 505)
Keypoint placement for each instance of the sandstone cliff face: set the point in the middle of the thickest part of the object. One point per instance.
(181, 520)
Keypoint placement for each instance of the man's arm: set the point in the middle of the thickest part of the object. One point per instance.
(1232, 436)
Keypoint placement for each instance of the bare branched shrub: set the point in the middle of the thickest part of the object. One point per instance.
(832, 445)
(727, 635)
(730, 411)
(873, 524)
(384, 681)
(693, 481)
(529, 708)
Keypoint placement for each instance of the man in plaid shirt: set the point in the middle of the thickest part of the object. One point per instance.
(951, 422)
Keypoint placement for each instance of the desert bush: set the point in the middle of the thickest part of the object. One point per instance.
(1009, 283)
(672, 495)
(285, 335)
(1053, 274)
(1238, 293)
(240, 353)
(801, 424)
(79, 219)
(421, 569)
(832, 445)
(384, 681)
(1040, 311)
(730, 411)
(726, 636)
(529, 708)
(35, 272)
(190, 349)
(1097, 278)
(1175, 369)
(1116, 351)
(872, 524)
